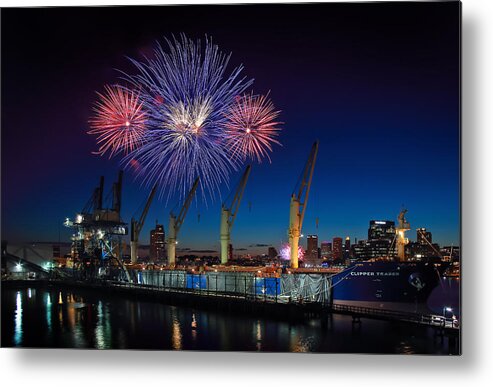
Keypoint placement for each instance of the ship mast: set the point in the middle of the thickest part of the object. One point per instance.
(400, 231)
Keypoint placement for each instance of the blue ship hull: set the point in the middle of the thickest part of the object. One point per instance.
(381, 282)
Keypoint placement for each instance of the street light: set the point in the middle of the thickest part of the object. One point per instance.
(446, 309)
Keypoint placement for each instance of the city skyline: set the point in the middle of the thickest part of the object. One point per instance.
(386, 114)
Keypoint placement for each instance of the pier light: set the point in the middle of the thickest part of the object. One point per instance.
(446, 309)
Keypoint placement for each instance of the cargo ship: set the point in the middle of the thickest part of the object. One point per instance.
(389, 282)
(385, 284)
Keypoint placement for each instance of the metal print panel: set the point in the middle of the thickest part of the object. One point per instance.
(280, 178)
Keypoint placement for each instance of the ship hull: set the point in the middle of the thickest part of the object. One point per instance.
(385, 283)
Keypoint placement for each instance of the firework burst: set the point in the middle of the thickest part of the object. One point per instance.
(251, 127)
(119, 121)
(187, 93)
(285, 252)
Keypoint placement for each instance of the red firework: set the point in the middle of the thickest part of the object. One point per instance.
(251, 127)
(119, 121)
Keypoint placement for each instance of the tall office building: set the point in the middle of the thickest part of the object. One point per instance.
(311, 256)
(380, 243)
(422, 236)
(337, 250)
(157, 248)
(325, 250)
(381, 229)
(424, 247)
(347, 248)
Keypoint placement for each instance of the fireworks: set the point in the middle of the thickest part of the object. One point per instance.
(251, 127)
(191, 117)
(119, 121)
(187, 92)
(285, 252)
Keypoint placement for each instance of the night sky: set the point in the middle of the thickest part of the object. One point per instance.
(377, 84)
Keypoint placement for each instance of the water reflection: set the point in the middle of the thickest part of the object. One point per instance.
(59, 319)
(176, 335)
(194, 326)
(18, 320)
(48, 312)
(99, 333)
(258, 336)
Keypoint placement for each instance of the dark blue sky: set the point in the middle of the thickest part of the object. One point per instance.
(377, 84)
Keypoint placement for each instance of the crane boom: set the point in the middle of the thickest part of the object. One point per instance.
(136, 227)
(228, 215)
(298, 205)
(175, 224)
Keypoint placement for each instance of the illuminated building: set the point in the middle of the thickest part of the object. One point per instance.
(422, 236)
(157, 247)
(450, 253)
(381, 235)
(325, 250)
(381, 229)
(311, 249)
(347, 248)
(337, 250)
(424, 248)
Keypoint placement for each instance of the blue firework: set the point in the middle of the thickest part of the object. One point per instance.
(187, 91)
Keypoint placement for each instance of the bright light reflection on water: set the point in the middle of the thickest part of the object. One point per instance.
(48, 312)
(258, 337)
(176, 337)
(194, 328)
(99, 334)
(18, 320)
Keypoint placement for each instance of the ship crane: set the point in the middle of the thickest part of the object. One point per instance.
(402, 241)
(299, 199)
(136, 227)
(228, 215)
(175, 223)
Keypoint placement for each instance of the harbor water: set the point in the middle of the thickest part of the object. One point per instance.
(59, 318)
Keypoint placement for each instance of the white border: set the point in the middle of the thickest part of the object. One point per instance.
(145, 368)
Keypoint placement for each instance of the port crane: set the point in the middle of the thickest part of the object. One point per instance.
(228, 215)
(136, 226)
(175, 223)
(99, 228)
(299, 198)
